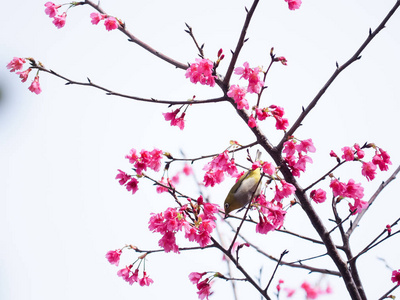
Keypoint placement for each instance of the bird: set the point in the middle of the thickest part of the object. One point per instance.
(242, 192)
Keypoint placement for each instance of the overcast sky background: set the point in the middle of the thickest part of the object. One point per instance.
(61, 208)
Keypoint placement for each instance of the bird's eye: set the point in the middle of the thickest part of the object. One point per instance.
(226, 205)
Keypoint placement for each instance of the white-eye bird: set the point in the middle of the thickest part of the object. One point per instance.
(242, 192)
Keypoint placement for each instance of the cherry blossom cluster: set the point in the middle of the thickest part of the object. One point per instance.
(381, 159)
(126, 273)
(350, 190)
(201, 71)
(312, 292)
(52, 11)
(197, 228)
(204, 286)
(271, 215)
(142, 161)
(276, 112)
(110, 22)
(16, 64)
(216, 169)
(295, 154)
(175, 119)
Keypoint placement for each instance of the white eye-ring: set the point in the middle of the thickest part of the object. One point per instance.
(226, 205)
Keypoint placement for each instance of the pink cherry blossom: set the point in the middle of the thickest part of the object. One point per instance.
(337, 187)
(381, 159)
(24, 74)
(204, 289)
(358, 206)
(180, 122)
(111, 23)
(252, 122)
(187, 170)
(305, 146)
(293, 4)
(262, 114)
(332, 154)
(268, 168)
(245, 72)
(264, 226)
(16, 64)
(238, 94)
(281, 123)
(132, 185)
(282, 59)
(353, 190)
(145, 280)
(97, 17)
(168, 242)
(255, 83)
(59, 21)
(51, 9)
(368, 170)
(289, 148)
(287, 190)
(125, 273)
(360, 153)
(318, 196)
(396, 277)
(122, 177)
(114, 256)
(195, 277)
(35, 86)
(312, 292)
(348, 153)
(201, 71)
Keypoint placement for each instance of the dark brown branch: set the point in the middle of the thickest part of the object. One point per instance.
(134, 39)
(385, 296)
(356, 56)
(109, 92)
(240, 44)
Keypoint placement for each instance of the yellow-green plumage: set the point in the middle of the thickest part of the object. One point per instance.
(243, 190)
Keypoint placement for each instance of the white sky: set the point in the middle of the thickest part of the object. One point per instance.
(62, 210)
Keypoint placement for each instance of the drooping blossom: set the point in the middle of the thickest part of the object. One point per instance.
(306, 146)
(195, 277)
(273, 219)
(16, 64)
(217, 167)
(278, 112)
(204, 289)
(147, 159)
(287, 190)
(252, 76)
(282, 59)
(175, 121)
(35, 86)
(368, 170)
(114, 256)
(59, 21)
(122, 177)
(132, 185)
(97, 17)
(359, 151)
(24, 74)
(145, 280)
(396, 277)
(381, 159)
(110, 23)
(318, 196)
(268, 168)
(201, 71)
(295, 155)
(51, 9)
(293, 4)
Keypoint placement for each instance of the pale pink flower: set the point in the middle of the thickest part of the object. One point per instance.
(51, 9)
(318, 196)
(97, 17)
(245, 72)
(293, 4)
(195, 277)
(306, 146)
(111, 23)
(187, 170)
(16, 64)
(35, 86)
(114, 256)
(396, 277)
(59, 21)
(348, 154)
(368, 170)
(24, 74)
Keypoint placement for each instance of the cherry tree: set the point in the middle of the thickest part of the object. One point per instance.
(330, 203)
